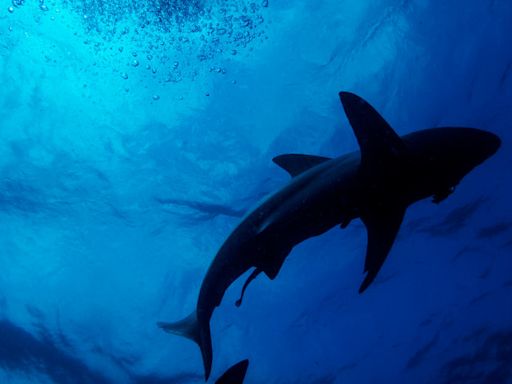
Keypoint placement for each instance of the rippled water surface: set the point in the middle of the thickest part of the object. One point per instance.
(134, 135)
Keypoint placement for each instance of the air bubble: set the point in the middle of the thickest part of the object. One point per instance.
(156, 97)
(124, 75)
(135, 63)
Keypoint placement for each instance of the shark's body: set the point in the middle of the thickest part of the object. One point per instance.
(375, 184)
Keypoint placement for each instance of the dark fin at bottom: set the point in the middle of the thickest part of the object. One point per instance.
(235, 374)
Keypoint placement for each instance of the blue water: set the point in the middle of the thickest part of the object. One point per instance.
(134, 134)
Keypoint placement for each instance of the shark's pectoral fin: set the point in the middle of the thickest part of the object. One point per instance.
(295, 164)
(376, 139)
(251, 277)
(382, 226)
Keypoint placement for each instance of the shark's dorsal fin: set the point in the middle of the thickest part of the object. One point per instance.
(295, 164)
(377, 140)
(382, 226)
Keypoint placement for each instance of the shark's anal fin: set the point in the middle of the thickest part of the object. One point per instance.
(376, 139)
(296, 164)
(251, 277)
(235, 374)
(382, 225)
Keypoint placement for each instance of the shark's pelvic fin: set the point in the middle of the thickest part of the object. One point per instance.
(235, 374)
(296, 164)
(189, 328)
(251, 277)
(272, 265)
(382, 226)
(377, 140)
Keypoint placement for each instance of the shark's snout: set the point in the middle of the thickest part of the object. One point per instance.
(492, 143)
(484, 144)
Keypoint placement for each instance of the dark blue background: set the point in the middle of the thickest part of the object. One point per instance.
(133, 135)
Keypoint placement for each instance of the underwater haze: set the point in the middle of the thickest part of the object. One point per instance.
(135, 135)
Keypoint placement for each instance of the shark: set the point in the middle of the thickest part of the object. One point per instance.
(375, 184)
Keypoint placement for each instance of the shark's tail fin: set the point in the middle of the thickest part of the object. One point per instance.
(189, 327)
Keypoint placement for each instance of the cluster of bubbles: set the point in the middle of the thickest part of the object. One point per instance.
(20, 3)
(171, 39)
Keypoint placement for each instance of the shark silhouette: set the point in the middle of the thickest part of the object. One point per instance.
(375, 184)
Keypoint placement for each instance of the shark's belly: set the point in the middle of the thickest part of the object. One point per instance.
(267, 235)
